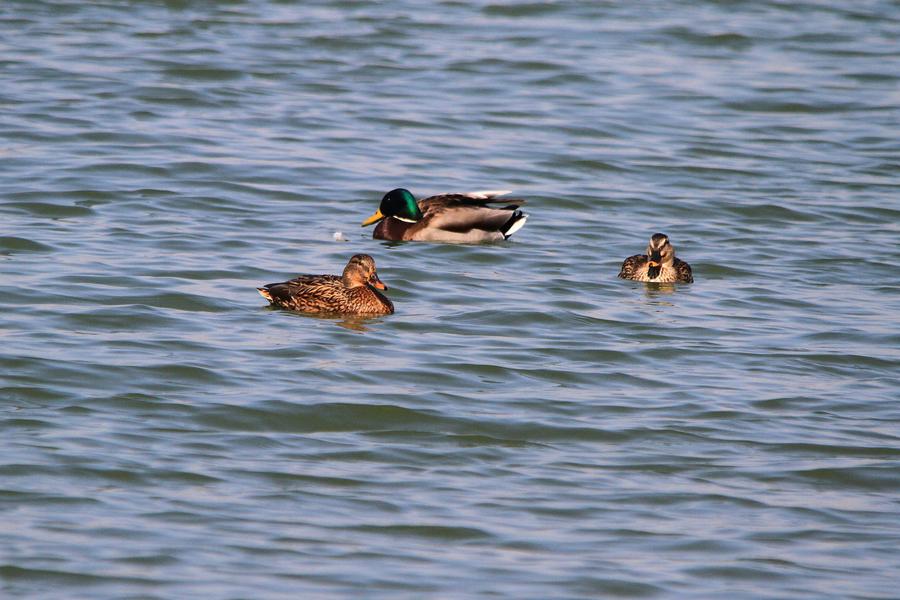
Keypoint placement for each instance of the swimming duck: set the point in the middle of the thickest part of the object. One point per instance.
(659, 265)
(353, 293)
(462, 218)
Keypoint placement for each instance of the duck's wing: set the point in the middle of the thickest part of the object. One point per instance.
(631, 266)
(464, 212)
(480, 198)
(684, 271)
(464, 218)
(306, 289)
(305, 283)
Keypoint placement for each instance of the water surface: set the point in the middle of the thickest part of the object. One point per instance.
(526, 425)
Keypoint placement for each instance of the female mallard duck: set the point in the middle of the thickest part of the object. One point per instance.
(659, 265)
(352, 293)
(464, 218)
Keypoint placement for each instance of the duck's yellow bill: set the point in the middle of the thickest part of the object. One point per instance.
(373, 219)
(377, 282)
(652, 263)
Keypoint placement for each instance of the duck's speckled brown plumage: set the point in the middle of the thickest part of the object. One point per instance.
(635, 268)
(352, 293)
(459, 218)
(670, 269)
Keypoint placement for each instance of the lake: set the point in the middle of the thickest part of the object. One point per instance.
(527, 425)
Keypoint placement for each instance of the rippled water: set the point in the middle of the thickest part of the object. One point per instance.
(526, 425)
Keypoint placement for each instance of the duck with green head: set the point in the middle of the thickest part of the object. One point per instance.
(459, 218)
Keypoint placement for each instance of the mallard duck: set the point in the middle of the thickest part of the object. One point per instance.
(463, 218)
(659, 265)
(353, 293)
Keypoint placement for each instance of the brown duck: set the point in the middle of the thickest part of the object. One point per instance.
(659, 265)
(461, 218)
(353, 293)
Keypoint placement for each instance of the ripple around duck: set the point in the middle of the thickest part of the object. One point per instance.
(47, 209)
(525, 9)
(393, 421)
(16, 245)
(318, 418)
(731, 40)
(56, 577)
(437, 533)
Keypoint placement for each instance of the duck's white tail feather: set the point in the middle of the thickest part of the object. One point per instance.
(486, 194)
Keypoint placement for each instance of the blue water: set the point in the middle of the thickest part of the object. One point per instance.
(526, 425)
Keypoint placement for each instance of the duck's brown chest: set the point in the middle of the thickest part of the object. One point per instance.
(391, 229)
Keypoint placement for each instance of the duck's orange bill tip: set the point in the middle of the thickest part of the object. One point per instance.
(652, 263)
(378, 284)
(373, 219)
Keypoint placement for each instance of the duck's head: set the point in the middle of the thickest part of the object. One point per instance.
(361, 271)
(660, 253)
(400, 204)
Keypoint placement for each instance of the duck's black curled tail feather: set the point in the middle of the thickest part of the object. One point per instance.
(513, 224)
(278, 294)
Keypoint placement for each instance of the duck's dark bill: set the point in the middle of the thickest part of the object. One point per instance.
(373, 219)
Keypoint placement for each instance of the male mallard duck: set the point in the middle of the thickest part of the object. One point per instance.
(352, 293)
(659, 265)
(465, 218)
